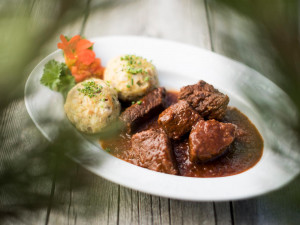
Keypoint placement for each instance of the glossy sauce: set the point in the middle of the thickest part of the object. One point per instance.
(243, 153)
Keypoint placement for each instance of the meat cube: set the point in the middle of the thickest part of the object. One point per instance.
(178, 119)
(205, 99)
(210, 139)
(152, 149)
(150, 105)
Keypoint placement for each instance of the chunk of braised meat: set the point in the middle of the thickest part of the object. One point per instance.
(205, 99)
(150, 105)
(210, 139)
(178, 119)
(152, 149)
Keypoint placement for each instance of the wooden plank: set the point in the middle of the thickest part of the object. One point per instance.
(160, 210)
(145, 209)
(19, 137)
(128, 207)
(96, 202)
(115, 18)
(189, 213)
(222, 42)
(141, 208)
(222, 213)
(152, 18)
(222, 210)
(245, 212)
(61, 208)
(155, 19)
(190, 25)
(279, 207)
(139, 18)
(233, 36)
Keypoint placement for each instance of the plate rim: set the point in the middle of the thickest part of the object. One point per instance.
(202, 198)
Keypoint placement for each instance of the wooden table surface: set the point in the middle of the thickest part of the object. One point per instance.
(196, 22)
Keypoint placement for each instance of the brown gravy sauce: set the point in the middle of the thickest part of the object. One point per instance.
(242, 154)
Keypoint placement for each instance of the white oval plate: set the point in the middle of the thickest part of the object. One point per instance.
(179, 65)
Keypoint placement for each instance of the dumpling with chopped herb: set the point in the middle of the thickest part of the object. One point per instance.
(92, 106)
(132, 76)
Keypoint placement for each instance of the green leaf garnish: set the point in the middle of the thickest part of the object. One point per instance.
(57, 77)
(52, 72)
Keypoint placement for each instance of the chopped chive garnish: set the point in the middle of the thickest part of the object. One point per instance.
(133, 64)
(128, 86)
(139, 102)
(90, 88)
(146, 78)
(134, 70)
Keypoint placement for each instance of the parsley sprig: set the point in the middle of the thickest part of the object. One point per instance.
(57, 77)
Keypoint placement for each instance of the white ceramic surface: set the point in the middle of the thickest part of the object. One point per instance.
(179, 65)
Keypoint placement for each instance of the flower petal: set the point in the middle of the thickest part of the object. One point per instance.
(83, 44)
(86, 57)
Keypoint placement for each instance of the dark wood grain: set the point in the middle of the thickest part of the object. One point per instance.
(160, 210)
(185, 212)
(128, 206)
(222, 212)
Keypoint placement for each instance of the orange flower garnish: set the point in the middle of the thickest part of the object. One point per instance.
(82, 71)
(83, 44)
(86, 56)
(69, 46)
(80, 59)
